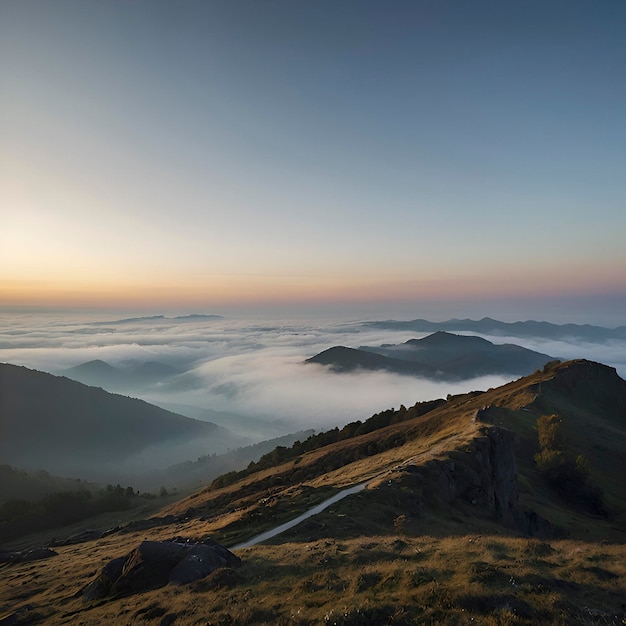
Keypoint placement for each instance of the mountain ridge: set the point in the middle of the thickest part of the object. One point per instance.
(490, 326)
(441, 356)
(157, 318)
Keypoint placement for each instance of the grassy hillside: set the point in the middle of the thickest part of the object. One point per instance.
(457, 524)
(447, 429)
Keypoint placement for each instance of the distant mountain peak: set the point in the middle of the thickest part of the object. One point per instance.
(439, 356)
(198, 316)
(91, 366)
(443, 338)
(490, 326)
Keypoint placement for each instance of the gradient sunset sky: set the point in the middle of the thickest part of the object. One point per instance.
(209, 155)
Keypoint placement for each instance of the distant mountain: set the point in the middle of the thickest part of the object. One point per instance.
(132, 376)
(441, 355)
(342, 359)
(96, 373)
(198, 316)
(63, 426)
(151, 372)
(255, 427)
(489, 326)
(158, 318)
(208, 467)
(132, 320)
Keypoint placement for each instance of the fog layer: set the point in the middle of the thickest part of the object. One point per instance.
(251, 368)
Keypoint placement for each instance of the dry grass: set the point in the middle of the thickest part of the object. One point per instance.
(384, 579)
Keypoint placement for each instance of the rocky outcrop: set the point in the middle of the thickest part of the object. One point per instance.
(482, 474)
(89, 534)
(34, 554)
(590, 386)
(157, 563)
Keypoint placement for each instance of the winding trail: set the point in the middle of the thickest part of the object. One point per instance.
(268, 534)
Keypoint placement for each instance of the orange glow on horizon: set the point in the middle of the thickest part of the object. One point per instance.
(250, 290)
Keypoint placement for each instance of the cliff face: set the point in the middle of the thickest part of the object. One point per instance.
(481, 474)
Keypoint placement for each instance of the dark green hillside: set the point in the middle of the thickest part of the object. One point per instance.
(590, 401)
(59, 424)
(16, 484)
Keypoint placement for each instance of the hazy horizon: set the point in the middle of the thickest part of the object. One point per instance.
(607, 311)
(251, 366)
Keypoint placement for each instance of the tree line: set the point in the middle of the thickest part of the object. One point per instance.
(282, 454)
(19, 517)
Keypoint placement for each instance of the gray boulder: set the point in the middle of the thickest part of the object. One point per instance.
(34, 554)
(155, 564)
(201, 561)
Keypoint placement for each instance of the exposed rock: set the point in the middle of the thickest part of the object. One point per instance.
(86, 535)
(156, 563)
(483, 475)
(34, 554)
(101, 586)
(200, 561)
(8, 557)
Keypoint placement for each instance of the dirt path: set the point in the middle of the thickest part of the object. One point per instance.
(268, 534)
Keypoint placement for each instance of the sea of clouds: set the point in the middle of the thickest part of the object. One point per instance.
(254, 368)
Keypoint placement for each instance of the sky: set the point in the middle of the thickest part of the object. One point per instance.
(364, 157)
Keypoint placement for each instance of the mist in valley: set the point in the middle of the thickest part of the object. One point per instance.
(246, 376)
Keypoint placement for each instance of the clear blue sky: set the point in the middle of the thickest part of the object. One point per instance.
(215, 154)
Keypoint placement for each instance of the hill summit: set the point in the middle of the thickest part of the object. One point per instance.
(441, 356)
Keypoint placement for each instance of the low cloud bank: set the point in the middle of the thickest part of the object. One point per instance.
(254, 368)
(611, 352)
(282, 387)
